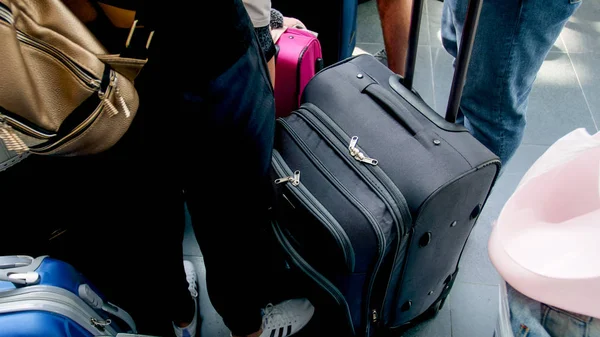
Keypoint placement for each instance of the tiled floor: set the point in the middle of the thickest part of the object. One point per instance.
(566, 96)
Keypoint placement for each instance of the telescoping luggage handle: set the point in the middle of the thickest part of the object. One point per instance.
(462, 60)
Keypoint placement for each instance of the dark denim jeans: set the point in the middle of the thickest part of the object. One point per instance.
(229, 133)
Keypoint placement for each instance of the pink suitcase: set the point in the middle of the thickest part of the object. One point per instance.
(299, 58)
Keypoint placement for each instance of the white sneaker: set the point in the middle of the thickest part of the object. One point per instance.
(286, 318)
(192, 279)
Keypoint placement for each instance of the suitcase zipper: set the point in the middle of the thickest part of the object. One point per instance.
(307, 199)
(401, 212)
(294, 179)
(377, 229)
(314, 275)
(323, 169)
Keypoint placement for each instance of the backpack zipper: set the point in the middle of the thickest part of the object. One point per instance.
(83, 75)
(6, 14)
(104, 104)
(9, 124)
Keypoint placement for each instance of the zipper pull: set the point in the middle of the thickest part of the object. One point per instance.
(352, 147)
(120, 99)
(356, 154)
(122, 103)
(374, 316)
(112, 110)
(11, 140)
(362, 158)
(100, 324)
(294, 179)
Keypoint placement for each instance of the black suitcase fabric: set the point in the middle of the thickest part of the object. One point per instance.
(378, 194)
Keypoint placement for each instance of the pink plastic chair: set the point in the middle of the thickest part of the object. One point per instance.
(546, 243)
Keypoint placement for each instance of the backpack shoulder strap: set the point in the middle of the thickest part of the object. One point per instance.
(141, 32)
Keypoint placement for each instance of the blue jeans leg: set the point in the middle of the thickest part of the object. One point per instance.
(513, 39)
(530, 318)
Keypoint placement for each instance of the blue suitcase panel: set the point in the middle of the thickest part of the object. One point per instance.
(59, 274)
(37, 323)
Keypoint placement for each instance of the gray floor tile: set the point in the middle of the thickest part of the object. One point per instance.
(423, 81)
(368, 26)
(504, 188)
(581, 32)
(587, 66)
(426, 7)
(440, 326)
(525, 156)
(424, 31)
(435, 21)
(443, 71)
(474, 310)
(556, 104)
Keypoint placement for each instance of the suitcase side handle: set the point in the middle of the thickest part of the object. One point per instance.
(398, 111)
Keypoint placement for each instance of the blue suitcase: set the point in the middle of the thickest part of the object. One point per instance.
(48, 297)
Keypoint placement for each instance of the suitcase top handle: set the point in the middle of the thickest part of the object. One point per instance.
(398, 111)
(20, 269)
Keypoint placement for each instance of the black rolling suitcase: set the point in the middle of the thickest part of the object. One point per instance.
(377, 192)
